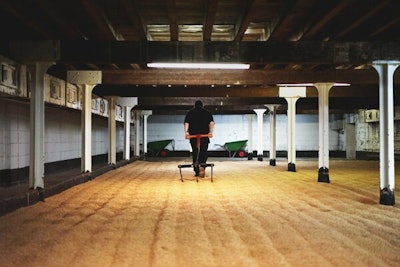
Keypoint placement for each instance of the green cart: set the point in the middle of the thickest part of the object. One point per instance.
(156, 147)
(235, 147)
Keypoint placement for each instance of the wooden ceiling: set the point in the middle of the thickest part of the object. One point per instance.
(285, 41)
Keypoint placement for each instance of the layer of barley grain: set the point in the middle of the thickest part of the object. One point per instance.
(252, 214)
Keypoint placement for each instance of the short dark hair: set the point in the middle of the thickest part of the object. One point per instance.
(198, 104)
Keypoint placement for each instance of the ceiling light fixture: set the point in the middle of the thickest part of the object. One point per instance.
(307, 84)
(225, 66)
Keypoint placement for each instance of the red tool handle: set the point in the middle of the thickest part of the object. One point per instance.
(198, 137)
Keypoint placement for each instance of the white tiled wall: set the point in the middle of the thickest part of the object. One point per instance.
(63, 139)
(62, 134)
(14, 135)
(99, 136)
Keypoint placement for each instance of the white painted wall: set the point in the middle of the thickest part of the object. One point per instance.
(229, 128)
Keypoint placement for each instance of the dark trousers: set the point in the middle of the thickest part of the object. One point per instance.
(203, 150)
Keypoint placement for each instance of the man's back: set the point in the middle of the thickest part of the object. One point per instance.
(199, 120)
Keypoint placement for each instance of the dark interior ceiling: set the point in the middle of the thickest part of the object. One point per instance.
(285, 41)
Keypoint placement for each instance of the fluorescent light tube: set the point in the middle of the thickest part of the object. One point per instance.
(226, 66)
(307, 84)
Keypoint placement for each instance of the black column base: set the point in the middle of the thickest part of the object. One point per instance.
(387, 197)
(291, 167)
(250, 156)
(260, 157)
(272, 162)
(40, 193)
(323, 175)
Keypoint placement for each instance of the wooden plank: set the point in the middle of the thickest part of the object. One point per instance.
(238, 77)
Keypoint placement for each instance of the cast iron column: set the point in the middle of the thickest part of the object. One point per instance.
(292, 94)
(146, 114)
(386, 70)
(37, 110)
(88, 80)
(250, 134)
(260, 114)
(323, 134)
(112, 131)
(272, 130)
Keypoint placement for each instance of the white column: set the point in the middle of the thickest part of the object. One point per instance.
(292, 94)
(272, 131)
(146, 114)
(137, 133)
(323, 134)
(127, 132)
(86, 128)
(127, 103)
(112, 131)
(260, 115)
(37, 110)
(386, 71)
(250, 138)
(145, 134)
(88, 80)
(291, 113)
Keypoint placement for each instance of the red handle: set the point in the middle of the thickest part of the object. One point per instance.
(198, 137)
(188, 136)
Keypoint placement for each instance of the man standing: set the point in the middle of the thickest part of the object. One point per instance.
(199, 121)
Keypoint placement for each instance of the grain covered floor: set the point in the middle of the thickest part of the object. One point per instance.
(252, 214)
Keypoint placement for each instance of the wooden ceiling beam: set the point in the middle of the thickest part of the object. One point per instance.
(135, 19)
(55, 12)
(278, 52)
(98, 16)
(23, 15)
(383, 28)
(362, 19)
(316, 29)
(238, 77)
(244, 21)
(228, 92)
(173, 21)
(286, 24)
(210, 13)
(223, 105)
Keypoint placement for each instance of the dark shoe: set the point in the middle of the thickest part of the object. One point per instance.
(202, 172)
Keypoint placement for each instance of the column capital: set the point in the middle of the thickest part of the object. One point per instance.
(386, 62)
(84, 76)
(127, 101)
(147, 112)
(292, 91)
(389, 65)
(328, 85)
(272, 107)
(259, 111)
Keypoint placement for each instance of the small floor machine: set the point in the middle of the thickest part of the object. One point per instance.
(197, 164)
